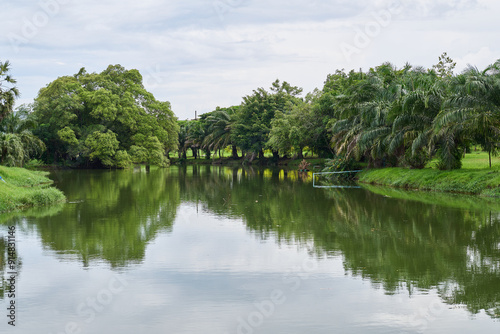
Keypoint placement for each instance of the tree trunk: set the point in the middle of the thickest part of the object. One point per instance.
(261, 154)
(195, 152)
(300, 155)
(235, 152)
(489, 156)
(276, 155)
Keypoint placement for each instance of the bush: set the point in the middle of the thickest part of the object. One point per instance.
(34, 164)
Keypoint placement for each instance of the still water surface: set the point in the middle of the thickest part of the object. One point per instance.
(218, 250)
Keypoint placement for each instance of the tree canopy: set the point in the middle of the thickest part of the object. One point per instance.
(104, 119)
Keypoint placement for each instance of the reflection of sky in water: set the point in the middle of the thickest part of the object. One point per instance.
(207, 275)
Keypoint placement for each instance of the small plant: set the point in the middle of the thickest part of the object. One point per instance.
(304, 165)
(34, 164)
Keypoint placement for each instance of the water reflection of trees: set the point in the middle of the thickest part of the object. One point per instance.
(397, 244)
(4, 266)
(110, 216)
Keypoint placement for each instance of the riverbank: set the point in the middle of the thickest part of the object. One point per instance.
(268, 161)
(23, 188)
(483, 182)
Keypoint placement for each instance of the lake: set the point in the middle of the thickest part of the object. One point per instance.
(207, 249)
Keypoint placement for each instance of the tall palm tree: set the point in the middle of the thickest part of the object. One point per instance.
(473, 109)
(197, 131)
(17, 144)
(8, 92)
(413, 114)
(220, 123)
(363, 128)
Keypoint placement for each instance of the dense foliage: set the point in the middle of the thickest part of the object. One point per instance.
(106, 119)
(17, 143)
(386, 116)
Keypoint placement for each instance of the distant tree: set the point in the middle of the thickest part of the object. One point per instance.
(445, 66)
(182, 138)
(220, 124)
(291, 132)
(362, 111)
(473, 109)
(17, 143)
(412, 117)
(253, 121)
(196, 137)
(8, 92)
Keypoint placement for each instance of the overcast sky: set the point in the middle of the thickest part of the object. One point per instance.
(200, 54)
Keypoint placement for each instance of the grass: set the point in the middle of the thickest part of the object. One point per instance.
(475, 177)
(479, 160)
(23, 188)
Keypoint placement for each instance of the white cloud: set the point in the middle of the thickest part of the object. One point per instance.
(206, 53)
(480, 59)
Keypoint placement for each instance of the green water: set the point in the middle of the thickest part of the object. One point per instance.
(217, 250)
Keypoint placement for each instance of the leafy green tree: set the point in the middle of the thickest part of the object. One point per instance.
(198, 131)
(76, 114)
(291, 132)
(253, 121)
(148, 150)
(445, 66)
(473, 109)
(17, 143)
(102, 146)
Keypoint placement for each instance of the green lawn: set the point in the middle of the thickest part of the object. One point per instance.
(479, 160)
(475, 177)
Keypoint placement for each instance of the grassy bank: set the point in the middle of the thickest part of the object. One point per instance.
(483, 182)
(23, 188)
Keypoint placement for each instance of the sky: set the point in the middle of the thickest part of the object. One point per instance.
(200, 54)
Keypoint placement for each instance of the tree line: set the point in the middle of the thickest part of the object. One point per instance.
(386, 116)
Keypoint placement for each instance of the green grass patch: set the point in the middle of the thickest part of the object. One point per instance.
(475, 177)
(469, 181)
(23, 188)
